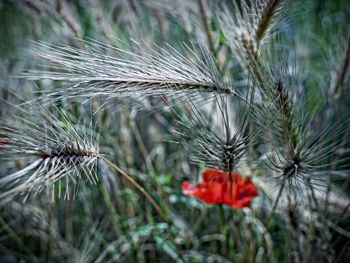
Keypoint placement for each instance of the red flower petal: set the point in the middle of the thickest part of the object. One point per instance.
(209, 192)
(245, 194)
(219, 187)
(215, 175)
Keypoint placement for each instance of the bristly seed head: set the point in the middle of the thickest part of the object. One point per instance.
(233, 152)
(54, 148)
(215, 141)
(292, 167)
(311, 159)
(128, 74)
(229, 157)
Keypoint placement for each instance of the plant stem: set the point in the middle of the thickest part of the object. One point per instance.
(205, 25)
(111, 209)
(342, 73)
(17, 239)
(275, 204)
(224, 227)
(139, 187)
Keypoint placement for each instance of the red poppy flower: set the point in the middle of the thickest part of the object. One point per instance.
(219, 187)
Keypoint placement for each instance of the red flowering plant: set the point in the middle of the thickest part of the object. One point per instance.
(219, 187)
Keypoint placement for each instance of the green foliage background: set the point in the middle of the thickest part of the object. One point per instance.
(112, 222)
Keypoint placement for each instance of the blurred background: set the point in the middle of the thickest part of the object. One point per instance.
(112, 222)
